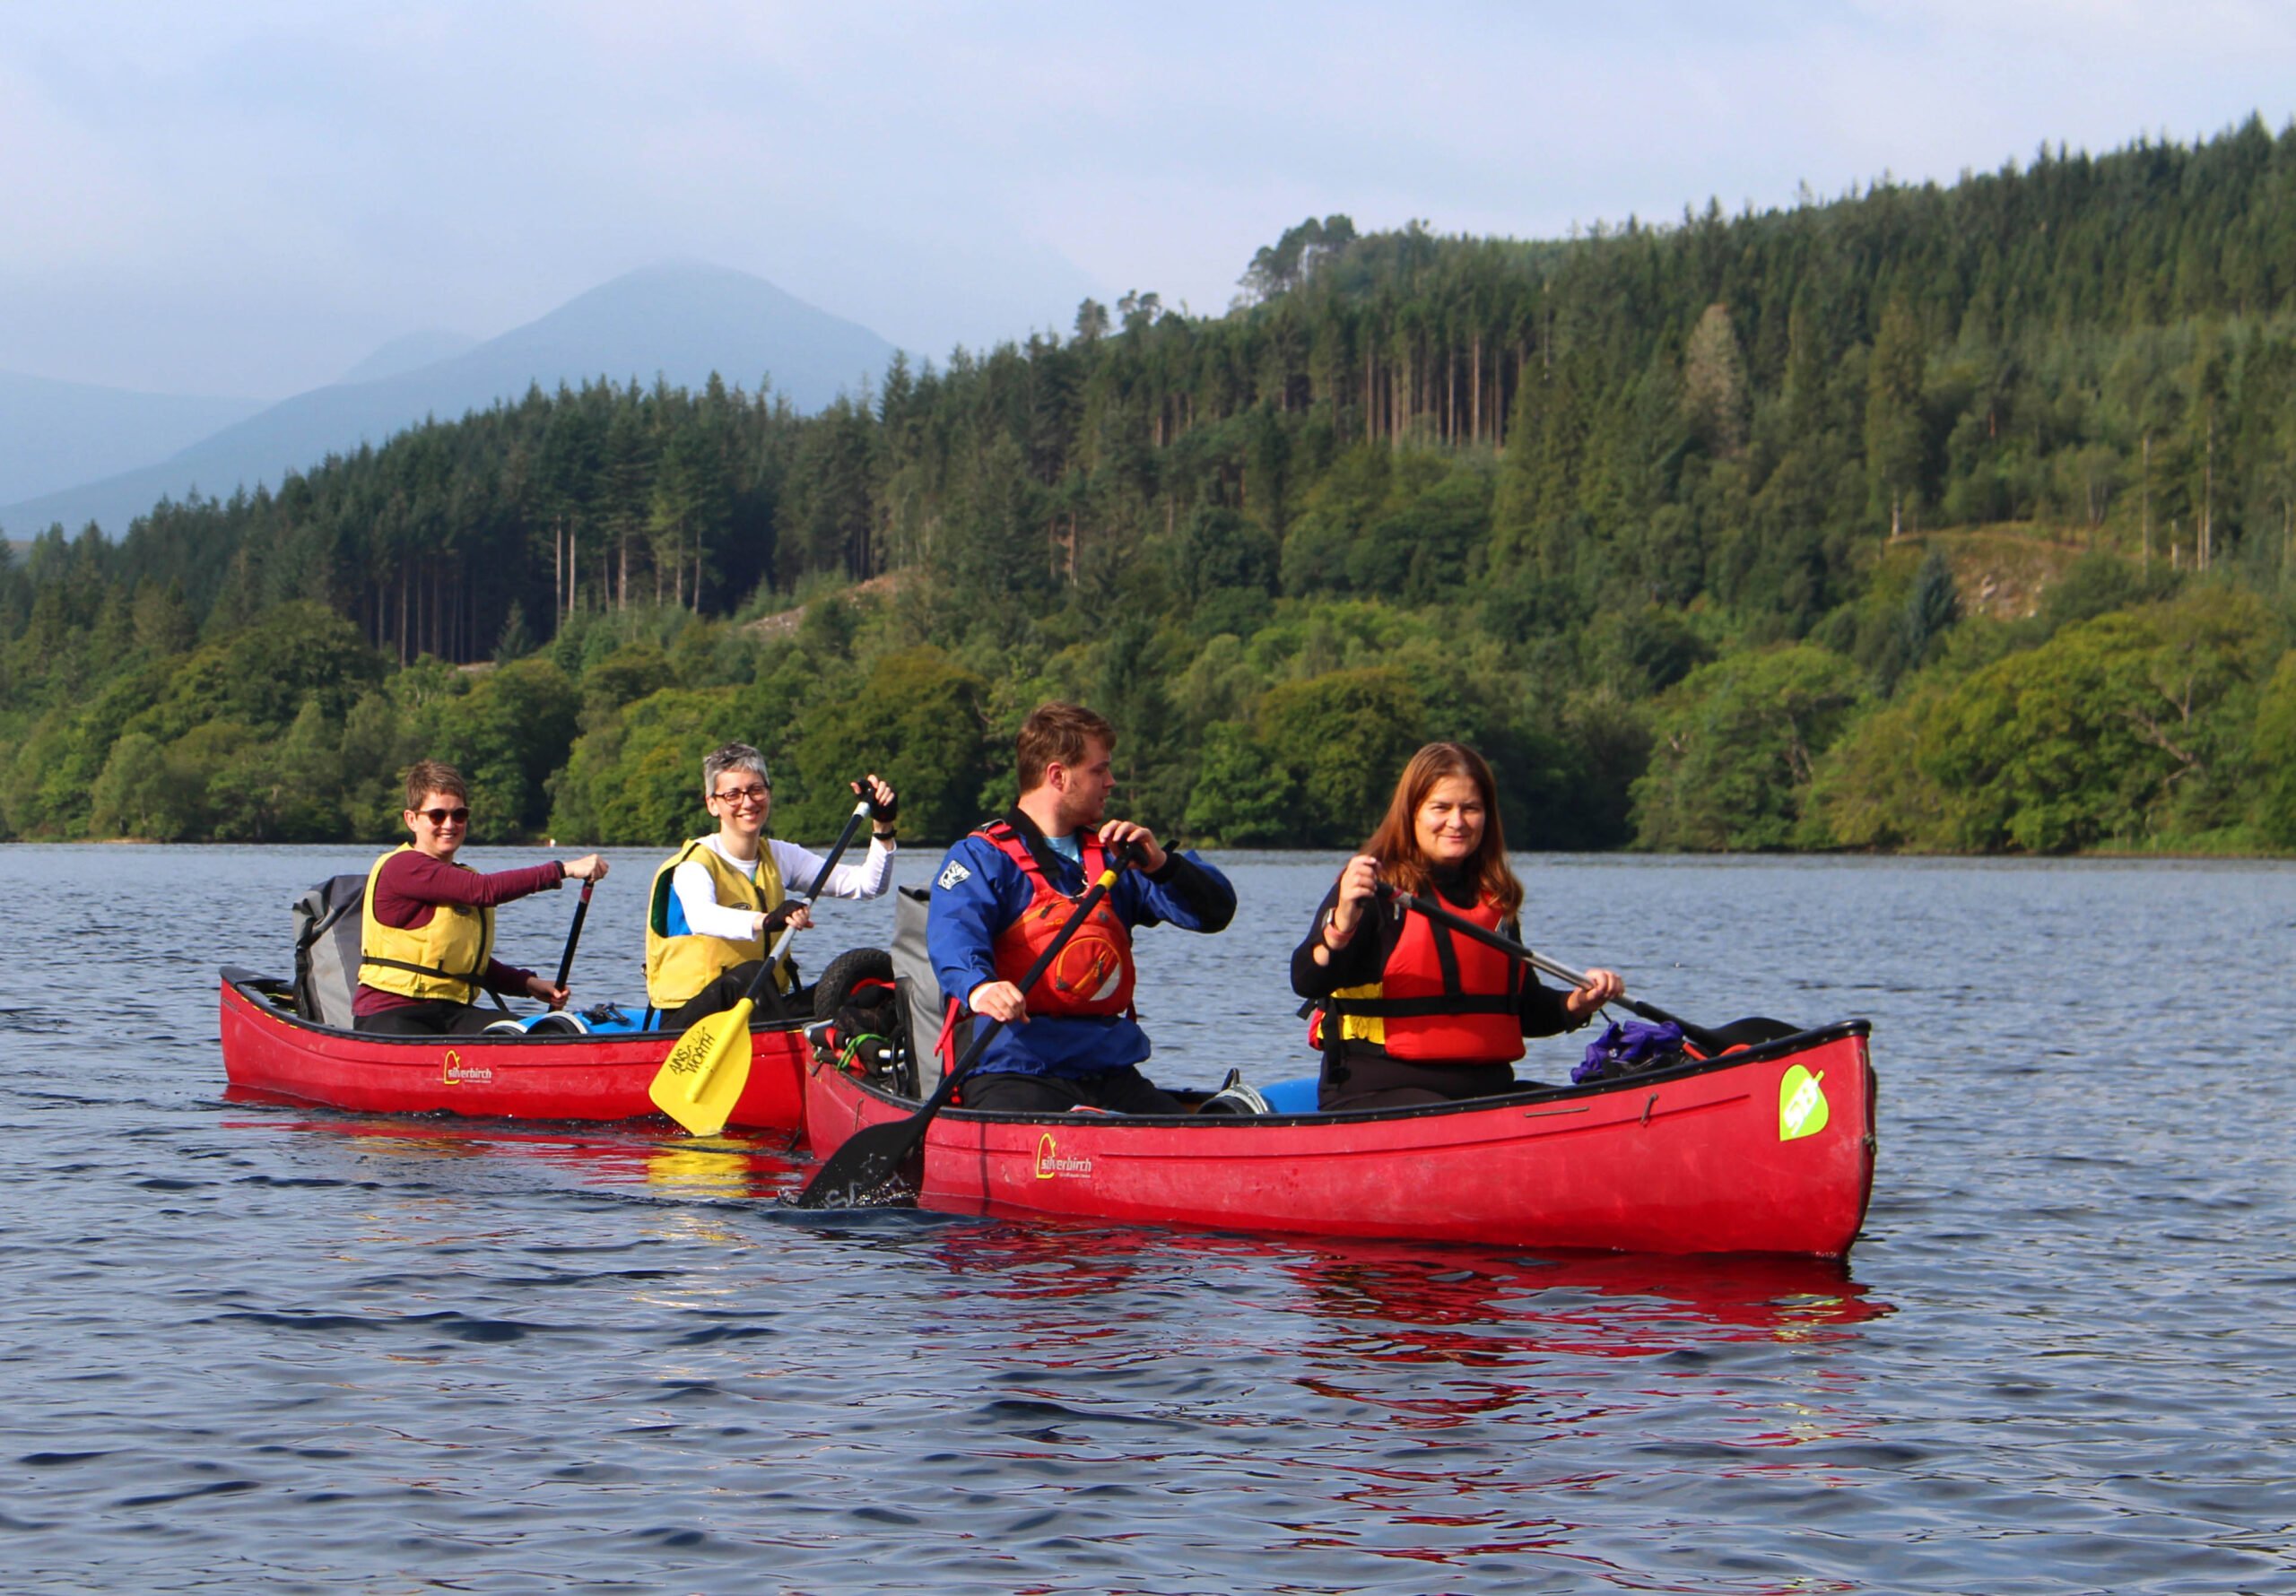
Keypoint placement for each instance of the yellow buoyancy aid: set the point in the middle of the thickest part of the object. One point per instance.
(680, 964)
(443, 959)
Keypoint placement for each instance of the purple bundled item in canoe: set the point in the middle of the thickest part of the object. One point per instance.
(1626, 1048)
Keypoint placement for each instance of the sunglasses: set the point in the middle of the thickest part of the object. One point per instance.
(743, 794)
(460, 815)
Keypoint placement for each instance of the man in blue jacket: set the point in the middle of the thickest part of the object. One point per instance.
(1004, 892)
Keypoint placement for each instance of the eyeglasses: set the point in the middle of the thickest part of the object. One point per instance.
(460, 815)
(743, 794)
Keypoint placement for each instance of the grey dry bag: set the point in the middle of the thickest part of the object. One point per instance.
(928, 1010)
(326, 950)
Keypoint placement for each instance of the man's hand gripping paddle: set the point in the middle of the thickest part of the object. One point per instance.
(873, 1156)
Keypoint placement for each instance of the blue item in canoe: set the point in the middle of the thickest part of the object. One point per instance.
(1291, 1096)
(608, 1018)
(599, 1020)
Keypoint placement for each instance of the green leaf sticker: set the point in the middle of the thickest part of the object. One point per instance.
(1801, 1104)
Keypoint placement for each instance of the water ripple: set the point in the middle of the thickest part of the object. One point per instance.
(253, 1349)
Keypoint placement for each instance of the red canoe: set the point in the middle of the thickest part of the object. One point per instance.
(1769, 1149)
(269, 1049)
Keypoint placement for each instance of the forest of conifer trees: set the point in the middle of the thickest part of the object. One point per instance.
(1949, 518)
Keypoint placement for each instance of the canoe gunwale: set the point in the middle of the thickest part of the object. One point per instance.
(1566, 1095)
(260, 990)
(507, 1076)
(1701, 1158)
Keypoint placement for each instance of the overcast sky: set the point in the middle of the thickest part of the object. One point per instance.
(247, 199)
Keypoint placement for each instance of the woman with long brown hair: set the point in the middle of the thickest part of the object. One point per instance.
(1413, 1014)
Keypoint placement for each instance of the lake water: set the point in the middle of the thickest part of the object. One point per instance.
(255, 1349)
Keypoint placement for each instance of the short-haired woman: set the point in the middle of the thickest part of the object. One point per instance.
(427, 923)
(719, 899)
(1412, 1013)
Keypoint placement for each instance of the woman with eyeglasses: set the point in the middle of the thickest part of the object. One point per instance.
(718, 901)
(427, 923)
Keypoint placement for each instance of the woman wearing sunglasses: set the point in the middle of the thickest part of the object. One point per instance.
(427, 937)
(719, 900)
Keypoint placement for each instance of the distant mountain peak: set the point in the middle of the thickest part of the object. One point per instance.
(680, 320)
(53, 433)
(410, 352)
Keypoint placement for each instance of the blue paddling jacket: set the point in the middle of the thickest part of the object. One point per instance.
(979, 891)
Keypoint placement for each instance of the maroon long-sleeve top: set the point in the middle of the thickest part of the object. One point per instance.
(411, 885)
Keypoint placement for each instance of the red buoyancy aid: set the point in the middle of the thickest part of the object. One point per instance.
(1093, 973)
(1441, 998)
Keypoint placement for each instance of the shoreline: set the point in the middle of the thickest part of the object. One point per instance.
(2099, 855)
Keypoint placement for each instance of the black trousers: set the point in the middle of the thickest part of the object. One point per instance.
(727, 990)
(1121, 1091)
(1366, 1077)
(440, 1017)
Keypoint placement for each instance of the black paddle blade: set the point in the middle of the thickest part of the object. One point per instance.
(1754, 1031)
(870, 1160)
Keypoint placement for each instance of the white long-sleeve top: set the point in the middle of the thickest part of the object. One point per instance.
(698, 894)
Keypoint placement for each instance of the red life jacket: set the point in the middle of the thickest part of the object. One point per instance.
(1440, 998)
(1093, 973)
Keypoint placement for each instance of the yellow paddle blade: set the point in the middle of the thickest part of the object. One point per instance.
(702, 1079)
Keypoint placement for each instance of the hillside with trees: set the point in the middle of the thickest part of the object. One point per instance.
(1934, 517)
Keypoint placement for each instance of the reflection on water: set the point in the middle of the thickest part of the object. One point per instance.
(1348, 1279)
(269, 1347)
(703, 1173)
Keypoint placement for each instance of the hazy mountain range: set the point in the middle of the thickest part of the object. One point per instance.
(55, 434)
(410, 352)
(125, 452)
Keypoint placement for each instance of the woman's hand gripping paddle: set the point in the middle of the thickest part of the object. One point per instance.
(702, 1079)
(1710, 1043)
(872, 1156)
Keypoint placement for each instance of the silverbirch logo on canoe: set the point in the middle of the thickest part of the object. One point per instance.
(454, 1072)
(1051, 1163)
(1802, 1108)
